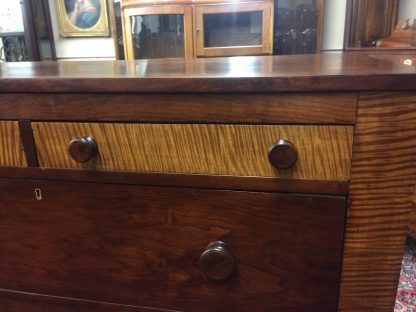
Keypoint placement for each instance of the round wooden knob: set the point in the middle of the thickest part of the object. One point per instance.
(217, 261)
(83, 149)
(283, 154)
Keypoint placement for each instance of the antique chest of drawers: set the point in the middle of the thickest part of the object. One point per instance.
(241, 184)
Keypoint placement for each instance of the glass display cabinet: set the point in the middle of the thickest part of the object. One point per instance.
(158, 32)
(233, 29)
(199, 28)
(298, 26)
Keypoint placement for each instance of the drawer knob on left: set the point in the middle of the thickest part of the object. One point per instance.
(217, 261)
(283, 154)
(83, 149)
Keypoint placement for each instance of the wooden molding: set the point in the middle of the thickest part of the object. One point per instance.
(323, 187)
(306, 108)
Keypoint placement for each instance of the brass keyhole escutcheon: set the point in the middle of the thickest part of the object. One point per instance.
(38, 194)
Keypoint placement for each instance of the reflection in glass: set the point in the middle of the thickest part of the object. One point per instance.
(296, 23)
(158, 36)
(13, 49)
(233, 29)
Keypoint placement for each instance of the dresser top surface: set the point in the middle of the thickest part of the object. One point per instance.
(317, 72)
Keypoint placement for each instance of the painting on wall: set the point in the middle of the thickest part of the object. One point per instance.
(82, 18)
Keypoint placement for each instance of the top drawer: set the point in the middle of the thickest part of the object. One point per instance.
(11, 149)
(324, 152)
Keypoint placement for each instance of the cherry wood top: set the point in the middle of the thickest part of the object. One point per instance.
(325, 72)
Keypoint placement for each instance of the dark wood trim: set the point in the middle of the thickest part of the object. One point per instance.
(310, 108)
(32, 46)
(31, 32)
(48, 21)
(350, 28)
(364, 82)
(284, 73)
(359, 19)
(391, 12)
(23, 301)
(323, 187)
(113, 26)
(26, 135)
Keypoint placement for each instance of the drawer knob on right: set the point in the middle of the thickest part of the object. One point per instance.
(283, 154)
(217, 261)
(83, 149)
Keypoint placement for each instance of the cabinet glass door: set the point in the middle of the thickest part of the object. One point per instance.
(153, 33)
(233, 29)
(298, 25)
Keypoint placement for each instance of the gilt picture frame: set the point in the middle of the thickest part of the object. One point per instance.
(82, 18)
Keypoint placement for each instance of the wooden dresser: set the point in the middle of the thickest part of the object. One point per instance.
(229, 184)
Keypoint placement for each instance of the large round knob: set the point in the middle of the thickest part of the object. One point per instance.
(83, 149)
(283, 155)
(217, 261)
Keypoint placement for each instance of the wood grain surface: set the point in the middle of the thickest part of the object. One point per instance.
(284, 73)
(412, 220)
(324, 152)
(11, 149)
(306, 108)
(304, 186)
(140, 245)
(28, 142)
(369, 19)
(14, 301)
(382, 182)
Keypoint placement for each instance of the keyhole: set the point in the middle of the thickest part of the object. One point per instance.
(38, 194)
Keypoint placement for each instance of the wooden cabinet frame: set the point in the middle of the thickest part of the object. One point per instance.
(186, 11)
(319, 27)
(267, 29)
(193, 17)
(369, 18)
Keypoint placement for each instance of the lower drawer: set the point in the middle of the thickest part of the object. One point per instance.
(25, 302)
(142, 246)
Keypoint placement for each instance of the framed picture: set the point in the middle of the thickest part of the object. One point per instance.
(82, 18)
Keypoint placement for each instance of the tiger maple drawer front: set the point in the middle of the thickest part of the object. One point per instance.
(323, 152)
(142, 246)
(11, 149)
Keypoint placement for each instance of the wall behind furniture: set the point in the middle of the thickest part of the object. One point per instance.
(407, 10)
(80, 48)
(333, 25)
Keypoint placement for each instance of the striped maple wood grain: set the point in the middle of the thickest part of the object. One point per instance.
(239, 150)
(412, 220)
(11, 149)
(382, 181)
